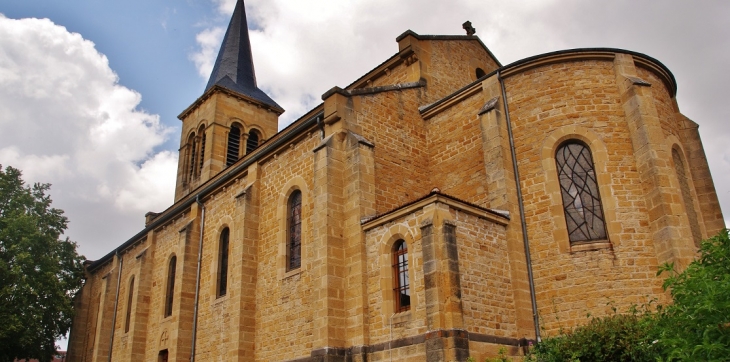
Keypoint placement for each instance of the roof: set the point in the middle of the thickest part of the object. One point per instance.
(234, 68)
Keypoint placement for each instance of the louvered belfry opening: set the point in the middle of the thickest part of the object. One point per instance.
(234, 145)
(193, 157)
(202, 153)
(252, 142)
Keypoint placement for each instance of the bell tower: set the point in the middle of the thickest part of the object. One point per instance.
(231, 118)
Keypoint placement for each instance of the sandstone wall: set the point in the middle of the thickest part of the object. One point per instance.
(283, 299)
(580, 100)
(456, 156)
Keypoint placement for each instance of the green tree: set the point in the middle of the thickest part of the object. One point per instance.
(39, 272)
(696, 327)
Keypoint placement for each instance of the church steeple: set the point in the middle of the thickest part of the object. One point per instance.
(232, 117)
(234, 68)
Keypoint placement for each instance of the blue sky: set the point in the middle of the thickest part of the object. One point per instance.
(159, 55)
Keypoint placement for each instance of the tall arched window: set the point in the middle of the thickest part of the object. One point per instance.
(294, 230)
(202, 150)
(689, 206)
(253, 141)
(170, 286)
(401, 284)
(579, 188)
(193, 156)
(223, 263)
(130, 295)
(234, 144)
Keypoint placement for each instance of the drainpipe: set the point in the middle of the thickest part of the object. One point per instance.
(520, 203)
(197, 278)
(320, 124)
(116, 304)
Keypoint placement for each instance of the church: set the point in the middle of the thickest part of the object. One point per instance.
(442, 206)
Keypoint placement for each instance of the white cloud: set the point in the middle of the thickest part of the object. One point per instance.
(225, 6)
(65, 119)
(209, 41)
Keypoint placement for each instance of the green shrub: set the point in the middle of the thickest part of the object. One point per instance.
(618, 337)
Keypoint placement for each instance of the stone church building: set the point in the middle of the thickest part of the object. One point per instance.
(441, 206)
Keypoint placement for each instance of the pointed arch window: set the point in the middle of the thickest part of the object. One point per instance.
(223, 263)
(170, 293)
(579, 189)
(294, 231)
(253, 141)
(130, 297)
(234, 144)
(401, 284)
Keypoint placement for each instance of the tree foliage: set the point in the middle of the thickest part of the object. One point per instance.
(39, 272)
(696, 327)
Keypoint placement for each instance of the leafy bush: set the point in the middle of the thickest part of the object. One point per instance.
(618, 337)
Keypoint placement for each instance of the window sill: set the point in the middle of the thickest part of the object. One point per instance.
(590, 246)
(291, 273)
(401, 317)
(219, 299)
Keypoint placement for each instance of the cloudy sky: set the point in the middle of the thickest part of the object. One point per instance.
(90, 90)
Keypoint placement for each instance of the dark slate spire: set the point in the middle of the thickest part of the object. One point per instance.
(234, 66)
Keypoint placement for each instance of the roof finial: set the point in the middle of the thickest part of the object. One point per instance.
(233, 68)
(469, 29)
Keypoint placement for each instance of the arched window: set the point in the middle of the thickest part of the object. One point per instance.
(253, 141)
(689, 206)
(170, 286)
(294, 231)
(234, 144)
(579, 188)
(193, 156)
(480, 73)
(202, 149)
(223, 263)
(401, 284)
(130, 295)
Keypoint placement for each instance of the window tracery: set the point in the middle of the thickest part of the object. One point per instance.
(579, 189)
